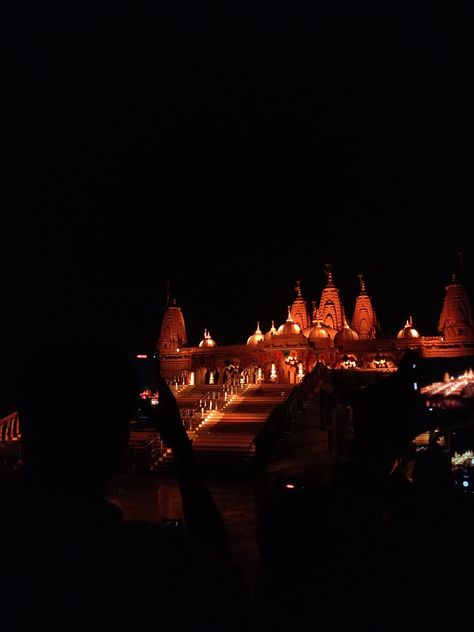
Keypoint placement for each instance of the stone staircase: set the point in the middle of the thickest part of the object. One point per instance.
(187, 396)
(226, 435)
(141, 446)
(222, 427)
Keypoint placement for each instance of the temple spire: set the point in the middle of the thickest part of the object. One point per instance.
(330, 304)
(299, 309)
(364, 319)
(168, 292)
(456, 320)
(173, 329)
(316, 317)
(328, 273)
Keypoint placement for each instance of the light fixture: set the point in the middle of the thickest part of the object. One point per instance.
(300, 372)
(273, 373)
(291, 360)
(380, 361)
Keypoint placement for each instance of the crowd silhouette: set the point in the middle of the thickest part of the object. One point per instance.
(376, 547)
(368, 549)
(70, 561)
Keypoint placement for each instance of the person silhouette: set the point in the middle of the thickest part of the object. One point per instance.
(70, 561)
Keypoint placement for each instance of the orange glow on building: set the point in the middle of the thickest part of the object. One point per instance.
(287, 353)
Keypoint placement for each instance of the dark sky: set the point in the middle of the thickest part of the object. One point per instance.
(295, 133)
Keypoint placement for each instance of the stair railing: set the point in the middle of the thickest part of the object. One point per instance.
(10, 428)
(279, 420)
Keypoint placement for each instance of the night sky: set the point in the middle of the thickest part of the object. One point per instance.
(294, 133)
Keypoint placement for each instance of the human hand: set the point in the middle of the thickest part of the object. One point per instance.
(166, 419)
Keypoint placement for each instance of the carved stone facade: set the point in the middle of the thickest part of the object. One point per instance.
(173, 330)
(456, 322)
(286, 354)
(331, 310)
(364, 320)
(299, 309)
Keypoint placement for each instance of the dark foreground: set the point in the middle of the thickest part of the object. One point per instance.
(320, 541)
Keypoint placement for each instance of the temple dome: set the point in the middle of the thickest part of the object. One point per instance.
(408, 331)
(318, 332)
(207, 340)
(272, 332)
(289, 327)
(256, 337)
(345, 334)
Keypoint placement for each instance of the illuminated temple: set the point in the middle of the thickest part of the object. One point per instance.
(324, 332)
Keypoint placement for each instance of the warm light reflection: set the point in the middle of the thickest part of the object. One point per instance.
(460, 459)
(300, 372)
(451, 392)
(149, 394)
(273, 373)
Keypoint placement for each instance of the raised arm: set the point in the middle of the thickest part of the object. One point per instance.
(201, 515)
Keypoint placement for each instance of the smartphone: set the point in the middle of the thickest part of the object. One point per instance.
(461, 444)
(147, 369)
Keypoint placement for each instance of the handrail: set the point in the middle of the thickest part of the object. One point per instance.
(155, 448)
(210, 399)
(180, 379)
(10, 428)
(266, 439)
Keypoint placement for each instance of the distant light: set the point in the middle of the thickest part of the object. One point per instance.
(142, 356)
(465, 484)
(177, 350)
(415, 386)
(290, 486)
(430, 409)
(414, 366)
(154, 401)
